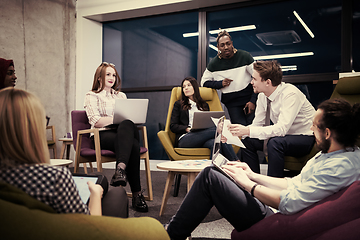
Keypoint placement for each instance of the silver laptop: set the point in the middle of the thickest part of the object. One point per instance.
(202, 119)
(218, 160)
(132, 109)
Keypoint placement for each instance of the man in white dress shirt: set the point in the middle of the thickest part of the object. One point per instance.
(291, 116)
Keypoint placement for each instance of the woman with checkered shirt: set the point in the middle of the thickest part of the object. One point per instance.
(24, 157)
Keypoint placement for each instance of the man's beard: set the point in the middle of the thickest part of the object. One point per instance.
(324, 145)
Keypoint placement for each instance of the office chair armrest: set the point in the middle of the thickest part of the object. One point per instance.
(85, 131)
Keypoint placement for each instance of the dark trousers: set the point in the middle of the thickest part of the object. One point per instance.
(212, 188)
(278, 148)
(124, 141)
(238, 116)
(114, 202)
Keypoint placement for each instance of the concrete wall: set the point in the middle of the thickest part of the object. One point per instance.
(39, 35)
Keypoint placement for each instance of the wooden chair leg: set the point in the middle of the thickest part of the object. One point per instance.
(177, 184)
(85, 168)
(148, 178)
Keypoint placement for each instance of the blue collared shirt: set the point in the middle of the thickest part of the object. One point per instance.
(323, 175)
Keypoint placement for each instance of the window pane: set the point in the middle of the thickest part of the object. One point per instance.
(356, 36)
(278, 31)
(152, 51)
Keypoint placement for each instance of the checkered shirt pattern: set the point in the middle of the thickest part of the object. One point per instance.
(51, 185)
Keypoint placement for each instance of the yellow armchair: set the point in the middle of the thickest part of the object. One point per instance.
(167, 137)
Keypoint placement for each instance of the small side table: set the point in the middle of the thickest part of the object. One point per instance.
(191, 168)
(60, 162)
(66, 143)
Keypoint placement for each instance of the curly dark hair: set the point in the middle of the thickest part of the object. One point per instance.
(221, 34)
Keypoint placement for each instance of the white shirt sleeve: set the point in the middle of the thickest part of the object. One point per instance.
(288, 106)
(207, 76)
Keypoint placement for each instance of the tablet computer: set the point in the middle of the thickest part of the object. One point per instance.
(81, 180)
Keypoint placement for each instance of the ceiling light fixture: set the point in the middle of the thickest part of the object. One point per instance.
(289, 68)
(233, 29)
(304, 24)
(288, 55)
(276, 56)
(213, 47)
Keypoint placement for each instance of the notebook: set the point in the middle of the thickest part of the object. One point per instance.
(132, 109)
(203, 120)
(82, 186)
(218, 160)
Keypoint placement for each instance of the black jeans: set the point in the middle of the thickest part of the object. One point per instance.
(238, 116)
(124, 141)
(278, 148)
(212, 188)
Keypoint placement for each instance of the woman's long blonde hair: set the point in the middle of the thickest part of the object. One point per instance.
(22, 128)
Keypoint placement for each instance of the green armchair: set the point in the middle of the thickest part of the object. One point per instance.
(24, 217)
(348, 88)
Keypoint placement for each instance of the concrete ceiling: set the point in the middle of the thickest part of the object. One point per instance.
(152, 9)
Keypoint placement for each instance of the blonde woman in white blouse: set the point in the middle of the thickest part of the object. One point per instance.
(123, 140)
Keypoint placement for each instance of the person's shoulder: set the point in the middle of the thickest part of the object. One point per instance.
(243, 53)
(46, 170)
(91, 93)
(288, 88)
(213, 63)
(119, 94)
(244, 56)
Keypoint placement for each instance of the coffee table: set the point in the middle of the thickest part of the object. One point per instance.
(191, 168)
(66, 143)
(60, 162)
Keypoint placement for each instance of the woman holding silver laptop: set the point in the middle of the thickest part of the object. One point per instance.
(182, 119)
(123, 140)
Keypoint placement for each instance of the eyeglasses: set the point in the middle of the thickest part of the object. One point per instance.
(107, 64)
